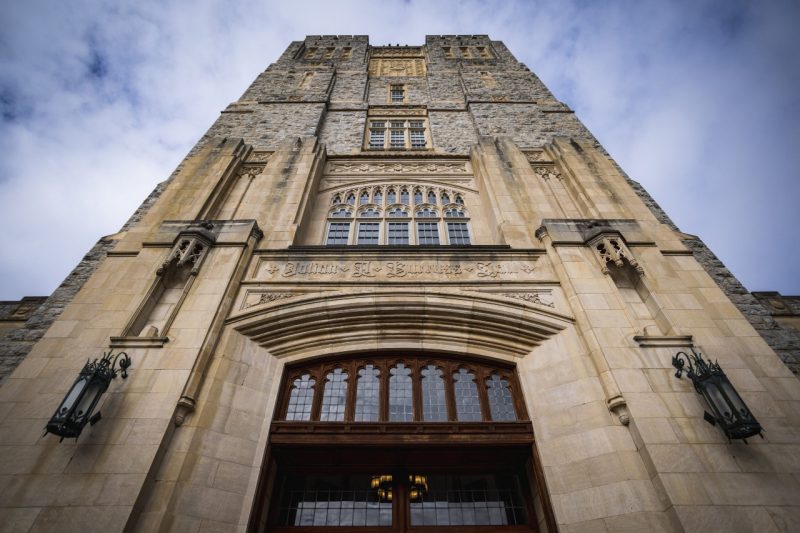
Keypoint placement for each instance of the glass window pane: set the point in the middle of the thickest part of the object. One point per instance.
(401, 402)
(434, 402)
(501, 404)
(368, 233)
(301, 398)
(427, 233)
(334, 396)
(368, 395)
(404, 197)
(466, 500)
(338, 233)
(397, 213)
(431, 197)
(391, 197)
(332, 500)
(340, 213)
(468, 404)
(417, 139)
(364, 199)
(398, 232)
(445, 199)
(457, 233)
(377, 197)
(417, 197)
(376, 138)
(397, 139)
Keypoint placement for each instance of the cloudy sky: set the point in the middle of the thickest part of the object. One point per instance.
(697, 100)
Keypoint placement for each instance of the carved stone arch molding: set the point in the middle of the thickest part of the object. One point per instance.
(479, 324)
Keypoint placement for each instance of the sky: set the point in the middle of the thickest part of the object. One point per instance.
(698, 100)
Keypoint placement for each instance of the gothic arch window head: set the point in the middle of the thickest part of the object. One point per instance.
(468, 405)
(455, 213)
(501, 402)
(434, 400)
(445, 198)
(404, 196)
(337, 199)
(341, 212)
(401, 406)
(368, 400)
(427, 212)
(391, 197)
(301, 398)
(364, 198)
(370, 212)
(351, 199)
(398, 212)
(431, 197)
(459, 200)
(417, 196)
(377, 198)
(334, 397)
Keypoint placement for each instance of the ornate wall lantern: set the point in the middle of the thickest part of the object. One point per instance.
(77, 406)
(727, 407)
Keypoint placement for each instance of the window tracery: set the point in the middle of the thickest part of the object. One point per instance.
(402, 389)
(427, 224)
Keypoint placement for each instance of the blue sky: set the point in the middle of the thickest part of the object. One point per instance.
(698, 100)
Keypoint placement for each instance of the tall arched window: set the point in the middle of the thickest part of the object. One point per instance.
(368, 400)
(468, 403)
(501, 403)
(391, 197)
(401, 398)
(431, 197)
(301, 398)
(334, 398)
(404, 196)
(417, 196)
(434, 402)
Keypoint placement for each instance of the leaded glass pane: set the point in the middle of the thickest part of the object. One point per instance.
(468, 500)
(398, 233)
(334, 396)
(397, 138)
(417, 138)
(501, 404)
(417, 197)
(376, 138)
(341, 213)
(468, 404)
(338, 233)
(445, 199)
(431, 197)
(331, 500)
(377, 197)
(401, 401)
(427, 233)
(397, 212)
(368, 233)
(434, 402)
(301, 398)
(457, 233)
(404, 197)
(368, 395)
(391, 197)
(364, 198)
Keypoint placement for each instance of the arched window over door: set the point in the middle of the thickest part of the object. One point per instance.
(418, 442)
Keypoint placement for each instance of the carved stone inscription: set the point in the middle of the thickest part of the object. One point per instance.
(392, 270)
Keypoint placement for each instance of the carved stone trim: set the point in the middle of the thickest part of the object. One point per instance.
(533, 297)
(393, 52)
(611, 248)
(397, 67)
(259, 156)
(547, 172)
(267, 297)
(397, 168)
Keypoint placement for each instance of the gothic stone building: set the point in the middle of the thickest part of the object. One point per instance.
(398, 288)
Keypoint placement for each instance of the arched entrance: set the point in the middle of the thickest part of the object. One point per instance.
(401, 439)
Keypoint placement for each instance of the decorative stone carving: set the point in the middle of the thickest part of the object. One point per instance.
(531, 297)
(190, 248)
(398, 168)
(259, 156)
(534, 156)
(251, 171)
(612, 249)
(547, 172)
(267, 297)
(397, 67)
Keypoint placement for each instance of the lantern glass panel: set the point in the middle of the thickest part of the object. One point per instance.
(717, 400)
(72, 396)
(93, 392)
(734, 398)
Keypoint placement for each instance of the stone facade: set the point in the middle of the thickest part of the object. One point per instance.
(433, 200)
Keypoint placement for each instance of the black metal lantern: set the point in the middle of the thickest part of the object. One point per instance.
(727, 407)
(77, 406)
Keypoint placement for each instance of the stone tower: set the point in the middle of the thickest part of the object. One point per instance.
(396, 287)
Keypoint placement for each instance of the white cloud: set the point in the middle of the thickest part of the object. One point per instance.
(698, 101)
